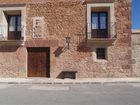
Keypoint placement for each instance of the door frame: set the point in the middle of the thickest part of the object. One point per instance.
(47, 64)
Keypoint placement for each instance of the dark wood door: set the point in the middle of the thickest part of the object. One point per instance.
(38, 62)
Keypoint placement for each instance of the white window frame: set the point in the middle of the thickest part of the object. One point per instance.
(112, 16)
(3, 20)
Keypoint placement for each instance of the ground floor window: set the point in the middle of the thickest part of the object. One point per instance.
(101, 53)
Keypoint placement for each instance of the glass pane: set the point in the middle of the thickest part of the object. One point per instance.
(103, 20)
(101, 53)
(12, 23)
(94, 20)
(11, 28)
(18, 23)
(19, 28)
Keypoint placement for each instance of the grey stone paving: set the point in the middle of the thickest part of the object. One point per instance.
(68, 94)
(51, 88)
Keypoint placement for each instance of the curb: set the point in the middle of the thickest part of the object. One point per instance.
(57, 83)
(69, 81)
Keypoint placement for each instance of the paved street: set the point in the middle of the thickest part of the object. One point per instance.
(68, 94)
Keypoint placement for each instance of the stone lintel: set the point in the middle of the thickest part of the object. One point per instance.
(41, 43)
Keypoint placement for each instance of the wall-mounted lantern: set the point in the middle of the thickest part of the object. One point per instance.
(68, 39)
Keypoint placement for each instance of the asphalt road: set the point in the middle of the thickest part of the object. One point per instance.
(80, 94)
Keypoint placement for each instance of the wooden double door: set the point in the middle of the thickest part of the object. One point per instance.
(38, 62)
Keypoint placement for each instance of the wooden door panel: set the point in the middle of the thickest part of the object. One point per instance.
(32, 65)
(38, 62)
(43, 63)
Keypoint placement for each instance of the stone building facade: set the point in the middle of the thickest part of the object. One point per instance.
(65, 38)
(136, 52)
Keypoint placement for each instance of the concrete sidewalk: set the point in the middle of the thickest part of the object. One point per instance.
(67, 81)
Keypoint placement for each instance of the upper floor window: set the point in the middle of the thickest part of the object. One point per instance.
(99, 25)
(100, 20)
(12, 23)
(14, 27)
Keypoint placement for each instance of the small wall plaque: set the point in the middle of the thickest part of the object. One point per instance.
(38, 27)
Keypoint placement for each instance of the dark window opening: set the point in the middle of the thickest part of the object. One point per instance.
(14, 27)
(99, 25)
(101, 53)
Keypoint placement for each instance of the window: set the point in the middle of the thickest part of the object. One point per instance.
(14, 27)
(14, 23)
(101, 53)
(99, 24)
(101, 20)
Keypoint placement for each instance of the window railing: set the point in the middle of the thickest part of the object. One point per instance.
(12, 33)
(104, 31)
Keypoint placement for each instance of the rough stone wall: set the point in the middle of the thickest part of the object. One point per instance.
(136, 53)
(7, 2)
(14, 1)
(61, 19)
(65, 17)
(119, 62)
(12, 61)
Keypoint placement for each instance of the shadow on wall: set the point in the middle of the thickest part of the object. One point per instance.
(59, 51)
(67, 74)
(60, 76)
(8, 48)
(82, 43)
(83, 48)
